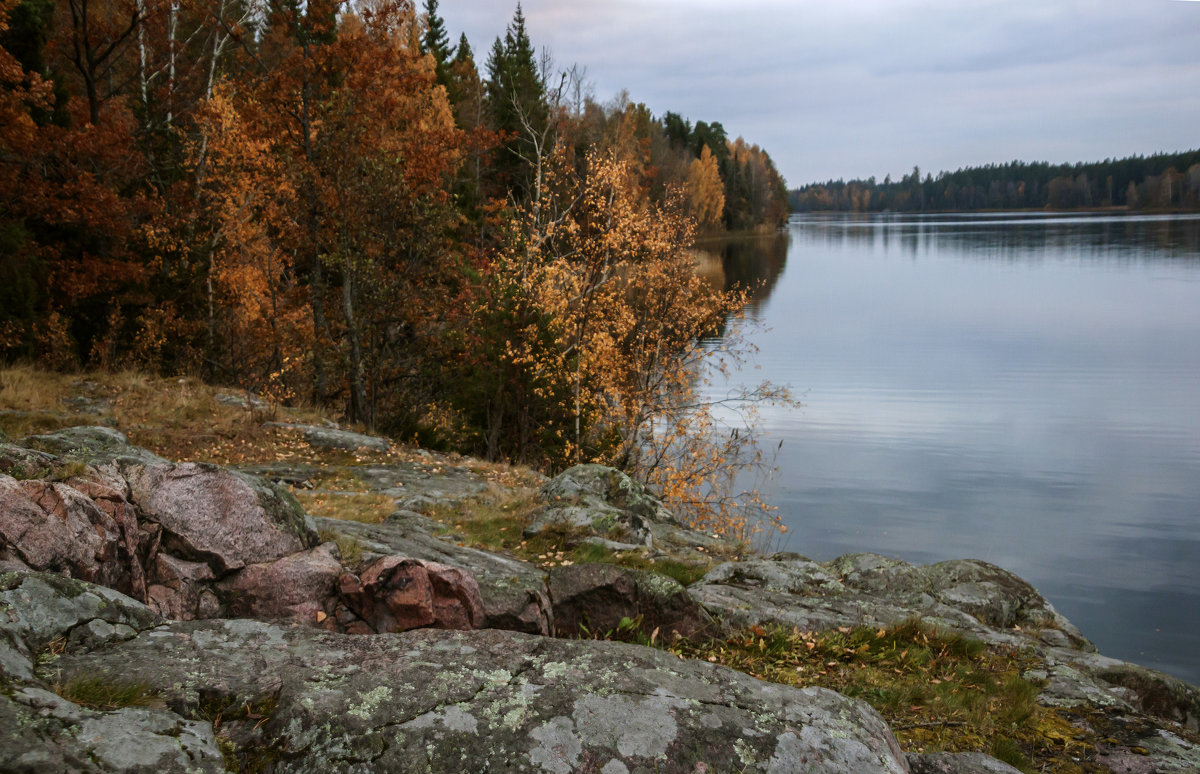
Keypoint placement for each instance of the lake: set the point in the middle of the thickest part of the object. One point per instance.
(1014, 387)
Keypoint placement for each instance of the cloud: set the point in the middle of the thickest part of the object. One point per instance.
(868, 87)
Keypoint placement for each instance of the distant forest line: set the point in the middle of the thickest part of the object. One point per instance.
(1161, 181)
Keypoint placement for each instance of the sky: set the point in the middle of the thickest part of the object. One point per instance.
(860, 88)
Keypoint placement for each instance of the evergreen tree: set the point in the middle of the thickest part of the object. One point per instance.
(517, 106)
(436, 42)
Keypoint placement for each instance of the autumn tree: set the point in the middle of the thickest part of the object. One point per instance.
(329, 172)
(590, 325)
(706, 193)
(75, 209)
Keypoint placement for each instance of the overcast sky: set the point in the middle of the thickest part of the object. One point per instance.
(855, 88)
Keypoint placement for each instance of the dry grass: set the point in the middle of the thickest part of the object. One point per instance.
(107, 693)
(366, 507)
(24, 388)
(178, 418)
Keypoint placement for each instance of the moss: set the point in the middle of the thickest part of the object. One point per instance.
(67, 470)
(259, 756)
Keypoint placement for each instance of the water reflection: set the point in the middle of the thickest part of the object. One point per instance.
(756, 262)
(1018, 389)
(1026, 237)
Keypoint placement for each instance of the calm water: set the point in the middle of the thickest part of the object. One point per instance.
(1015, 388)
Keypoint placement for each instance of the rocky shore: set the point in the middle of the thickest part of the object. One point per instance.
(249, 635)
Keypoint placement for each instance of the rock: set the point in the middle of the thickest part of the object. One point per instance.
(93, 444)
(612, 506)
(182, 590)
(513, 592)
(296, 587)
(969, 596)
(1157, 694)
(54, 527)
(597, 485)
(333, 438)
(218, 516)
(958, 763)
(248, 401)
(413, 486)
(295, 474)
(395, 594)
(1160, 752)
(22, 463)
(594, 598)
(42, 732)
(599, 520)
(433, 700)
(329, 438)
(36, 608)
(1089, 679)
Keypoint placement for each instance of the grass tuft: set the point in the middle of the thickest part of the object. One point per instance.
(350, 550)
(107, 693)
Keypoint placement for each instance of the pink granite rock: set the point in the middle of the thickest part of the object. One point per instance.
(397, 593)
(54, 527)
(217, 516)
(300, 587)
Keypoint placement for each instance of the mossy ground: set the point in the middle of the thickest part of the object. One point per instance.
(498, 525)
(939, 691)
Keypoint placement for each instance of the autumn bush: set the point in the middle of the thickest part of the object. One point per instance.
(589, 346)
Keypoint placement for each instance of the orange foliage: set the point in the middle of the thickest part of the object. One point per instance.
(607, 317)
(331, 165)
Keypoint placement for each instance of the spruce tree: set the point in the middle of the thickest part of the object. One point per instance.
(516, 104)
(436, 42)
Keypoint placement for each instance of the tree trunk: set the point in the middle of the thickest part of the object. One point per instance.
(358, 391)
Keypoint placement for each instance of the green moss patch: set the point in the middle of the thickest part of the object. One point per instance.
(498, 525)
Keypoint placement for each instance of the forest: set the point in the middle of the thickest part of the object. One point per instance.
(330, 203)
(1166, 181)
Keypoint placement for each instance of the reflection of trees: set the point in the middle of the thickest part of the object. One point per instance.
(755, 262)
(1024, 238)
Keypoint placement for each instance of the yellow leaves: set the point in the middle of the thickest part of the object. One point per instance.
(706, 192)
